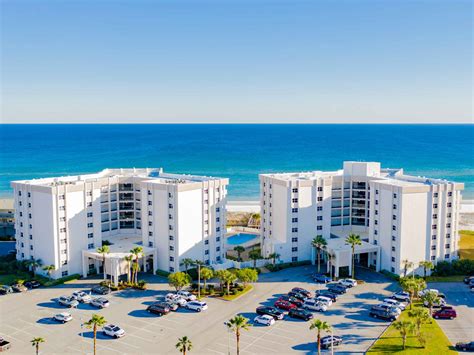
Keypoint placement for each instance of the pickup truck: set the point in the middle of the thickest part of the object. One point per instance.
(4, 345)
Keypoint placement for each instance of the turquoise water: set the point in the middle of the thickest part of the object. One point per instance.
(241, 238)
(239, 152)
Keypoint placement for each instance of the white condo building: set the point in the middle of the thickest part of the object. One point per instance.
(63, 220)
(399, 217)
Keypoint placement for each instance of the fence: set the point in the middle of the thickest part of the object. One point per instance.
(239, 265)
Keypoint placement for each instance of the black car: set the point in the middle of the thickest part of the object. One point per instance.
(326, 293)
(32, 284)
(321, 278)
(302, 291)
(468, 278)
(158, 308)
(296, 301)
(327, 340)
(297, 295)
(100, 290)
(271, 311)
(465, 346)
(337, 288)
(300, 313)
(383, 314)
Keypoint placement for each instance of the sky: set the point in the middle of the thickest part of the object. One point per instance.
(270, 61)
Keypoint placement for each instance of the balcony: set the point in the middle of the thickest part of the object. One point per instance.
(358, 194)
(358, 204)
(359, 185)
(126, 187)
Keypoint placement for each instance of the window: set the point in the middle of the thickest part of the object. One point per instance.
(31, 237)
(376, 212)
(206, 242)
(89, 214)
(90, 235)
(434, 226)
(320, 188)
(320, 199)
(218, 249)
(319, 228)
(171, 269)
(64, 273)
(171, 216)
(294, 230)
(446, 256)
(435, 216)
(376, 202)
(450, 194)
(64, 251)
(89, 246)
(218, 258)
(319, 218)
(394, 217)
(295, 190)
(149, 192)
(376, 232)
(393, 248)
(294, 249)
(19, 193)
(31, 247)
(448, 235)
(22, 255)
(170, 227)
(376, 222)
(150, 244)
(29, 205)
(62, 208)
(21, 214)
(433, 257)
(170, 195)
(449, 204)
(21, 234)
(90, 225)
(89, 204)
(447, 246)
(448, 225)
(294, 240)
(294, 258)
(150, 223)
(435, 205)
(319, 208)
(171, 248)
(294, 200)
(433, 247)
(393, 269)
(375, 242)
(29, 215)
(294, 220)
(394, 207)
(150, 203)
(22, 245)
(393, 259)
(294, 210)
(170, 206)
(206, 252)
(171, 237)
(218, 209)
(376, 192)
(150, 213)
(89, 193)
(448, 215)
(62, 230)
(31, 226)
(150, 234)
(21, 224)
(218, 229)
(62, 219)
(433, 237)
(394, 195)
(171, 258)
(394, 228)
(218, 219)
(394, 238)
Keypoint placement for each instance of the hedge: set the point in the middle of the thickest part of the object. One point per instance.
(282, 266)
(62, 280)
(162, 273)
(455, 267)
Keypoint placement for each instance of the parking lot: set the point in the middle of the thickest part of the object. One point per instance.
(27, 315)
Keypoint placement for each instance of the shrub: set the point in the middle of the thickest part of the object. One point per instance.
(455, 267)
(61, 280)
(141, 285)
(162, 273)
(282, 266)
(390, 275)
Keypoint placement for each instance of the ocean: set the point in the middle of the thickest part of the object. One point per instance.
(239, 152)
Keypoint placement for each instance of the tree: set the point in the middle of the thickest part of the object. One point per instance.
(407, 264)
(319, 243)
(179, 280)
(236, 324)
(33, 264)
(353, 240)
(274, 257)
(420, 316)
(405, 327)
(239, 249)
(429, 299)
(49, 269)
(184, 344)
(36, 342)
(412, 286)
(128, 259)
(320, 326)
(95, 322)
(103, 250)
(247, 275)
(137, 252)
(255, 255)
(187, 262)
(206, 274)
(226, 277)
(426, 265)
(199, 263)
(331, 258)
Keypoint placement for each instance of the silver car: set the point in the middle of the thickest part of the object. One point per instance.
(100, 302)
(68, 301)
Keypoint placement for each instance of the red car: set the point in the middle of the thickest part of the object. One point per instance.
(284, 305)
(445, 313)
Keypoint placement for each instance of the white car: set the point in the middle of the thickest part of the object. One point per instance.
(401, 296)
(426, 290)
(113, 331)
(63, 317)
(314, 305)
(390, 307)
(82, 297)
(348, 282)
(401, 305)
(173, 297)
(67, 301)
(188, 296)
(100, 302)
(324, 300)
(438, 303)
(197, 306)
(264, 319)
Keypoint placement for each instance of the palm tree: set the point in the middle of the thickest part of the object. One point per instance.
(353, 240)
(128, 259)
(36, 343)
(426, 265)
(255, 255)
(49, 269)
(184, 344)
(319, 243)
(320, 326)
(105, 249)
(187, 262)
(239, 249)
(206, 274)
(412, 286)
(420, 315)
(93, 323)
(137, 251)
(331, 258)
(429, 298)
(407, 264)
(33, 264)
(236, 324)
(404, 327)
(199, 263)
(274, 257)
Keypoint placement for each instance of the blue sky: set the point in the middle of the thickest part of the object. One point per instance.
(236, 61)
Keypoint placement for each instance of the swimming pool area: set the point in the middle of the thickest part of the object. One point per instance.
(241, 238)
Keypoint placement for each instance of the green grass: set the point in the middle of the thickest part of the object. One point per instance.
(454, 278)
(466, 244)
(391, 341)
(9, 279)
(238, 294)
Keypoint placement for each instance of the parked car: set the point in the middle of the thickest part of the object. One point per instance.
(4, 289)
(158, 308)
(467, 279)
(67, 301)
(173, 306)
(113, 331)
(348, 282)
(440, 302)
(426, 290)
(63, 317)
(19, 288)
(264, 319)
(173, 297)
(4, 345)
(324, 300)
(302, 291)
(395, 303)
(32, 284)
(271, 311)
(100, 290)
(297, 302)
(401, 296)
(100, 302)
(285, 305)
(327, 293)
(314, 305)
(328, 339)
(297, 295)
(445, 313)
(337, 288)
(188, 296)
(197, 306)
(81, 296)
(384, 314)
(465, 346)
(321, 278)
(387, 307)
(300, 313)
